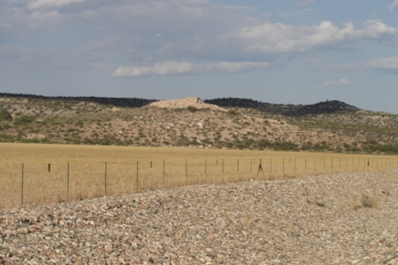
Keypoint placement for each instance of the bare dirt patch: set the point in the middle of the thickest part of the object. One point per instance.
(184, 103)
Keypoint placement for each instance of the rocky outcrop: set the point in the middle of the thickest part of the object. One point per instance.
(194, 102)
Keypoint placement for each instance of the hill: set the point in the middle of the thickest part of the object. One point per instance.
(217, 123)
(285, 109)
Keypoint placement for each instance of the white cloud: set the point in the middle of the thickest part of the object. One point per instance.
(142, 32)
(278, 37)
(44, 4)
(335, 83)
(394, 5)
(180, 68)
(389, 64)
(305, 3)
(163, 68)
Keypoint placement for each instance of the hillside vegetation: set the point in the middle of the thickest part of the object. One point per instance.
(326, 126)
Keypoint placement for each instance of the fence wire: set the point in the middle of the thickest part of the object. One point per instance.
(30, 184)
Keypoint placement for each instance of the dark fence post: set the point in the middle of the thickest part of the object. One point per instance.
(136, 179)
(67, 183)
(105, 177)
(22, 182)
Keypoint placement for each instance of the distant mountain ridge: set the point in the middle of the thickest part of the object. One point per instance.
(119, 102)
(284, 109)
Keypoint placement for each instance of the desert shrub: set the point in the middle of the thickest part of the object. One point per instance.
(233, 112)
(369, 201)
(307, 146)
(263, 143)
(4, 115)
(192, 109)
(24, 120)
(285, 146)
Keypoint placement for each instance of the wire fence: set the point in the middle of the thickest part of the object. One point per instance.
(32, 183)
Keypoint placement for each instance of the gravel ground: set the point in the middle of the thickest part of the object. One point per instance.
(335, 219)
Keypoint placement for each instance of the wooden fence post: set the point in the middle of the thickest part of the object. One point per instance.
(315, 165)
(186, 171)
(222, 171)
(205, 170)
(67, 183)
(305, 166)
(105, 177)
(22, 182)
(136, 179)
(164, 173)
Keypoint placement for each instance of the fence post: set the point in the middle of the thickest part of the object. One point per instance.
(164, 173)
(22, 182)
(295, 169)
(67, 183)
(136, 179)
(315, 166)
(222, 171)
(186, 171)
(205, 170)
(105, 177)
(305, 166)
(270, 167)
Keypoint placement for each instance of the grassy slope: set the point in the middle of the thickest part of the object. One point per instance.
(69, 121)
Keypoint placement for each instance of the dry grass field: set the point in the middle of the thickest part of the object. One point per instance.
(36, 174)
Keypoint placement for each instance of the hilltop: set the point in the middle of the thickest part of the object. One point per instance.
(283, 109)
(217, 123)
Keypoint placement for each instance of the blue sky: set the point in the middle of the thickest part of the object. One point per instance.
(298, 52)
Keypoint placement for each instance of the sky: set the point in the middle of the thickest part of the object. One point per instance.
(288, 52)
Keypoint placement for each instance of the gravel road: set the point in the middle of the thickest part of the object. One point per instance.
(335, 219)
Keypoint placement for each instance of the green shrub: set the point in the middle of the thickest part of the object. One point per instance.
(192, 109)
(4, 115)
(233, 112)
(24, 120)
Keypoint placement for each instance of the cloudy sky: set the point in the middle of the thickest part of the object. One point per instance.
(298, 52)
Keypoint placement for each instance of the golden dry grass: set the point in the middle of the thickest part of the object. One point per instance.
(54, 173)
